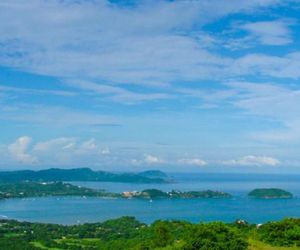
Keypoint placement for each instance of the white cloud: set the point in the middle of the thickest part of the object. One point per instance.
(150, 43)
(151, 159)
(116, 93)
(69, 151)
(89, 145)
(275, 32)
(55, 115)
(30, 91)
(19, 150)
(266, 65)
(251, 160)
(105, 151)
(274, 102)
(56, 145)
(192, 161)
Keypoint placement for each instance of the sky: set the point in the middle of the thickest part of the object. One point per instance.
(208, 85)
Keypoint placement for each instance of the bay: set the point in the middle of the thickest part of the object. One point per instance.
(73, 210)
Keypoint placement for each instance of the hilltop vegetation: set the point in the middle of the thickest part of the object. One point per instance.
(270, 193)
(281, 233)
(77, 174)
(158, 194)
(37, 189)
(127, 233)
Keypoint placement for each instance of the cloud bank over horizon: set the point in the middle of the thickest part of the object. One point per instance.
(71, 152)
(123, 84)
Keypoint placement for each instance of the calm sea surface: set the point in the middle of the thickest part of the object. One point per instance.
(72, 210)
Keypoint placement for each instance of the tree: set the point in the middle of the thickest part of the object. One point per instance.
(162, 235)
(214, 236)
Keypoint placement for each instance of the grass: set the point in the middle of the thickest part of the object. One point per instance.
(85, 242)
(13, 235)
(81, 242)
(258, 245)
(41, 246)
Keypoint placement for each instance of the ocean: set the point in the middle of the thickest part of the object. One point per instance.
(74, 210)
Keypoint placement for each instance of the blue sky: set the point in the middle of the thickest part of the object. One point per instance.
(131, 85)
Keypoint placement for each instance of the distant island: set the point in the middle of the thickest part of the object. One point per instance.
(82, 174)
(158, 194)
(37, 189)
(270, 193)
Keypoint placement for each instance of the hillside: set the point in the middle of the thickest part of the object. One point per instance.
(127, 233)
(153, 174)
(76, 174)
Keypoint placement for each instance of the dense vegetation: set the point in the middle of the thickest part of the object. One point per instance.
(79, 174)
(270, 193)
(128, 233)
(36, 189)
(281, 233)
(158, 194)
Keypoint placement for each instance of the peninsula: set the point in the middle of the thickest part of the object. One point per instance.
(40, 189)
(158, 194)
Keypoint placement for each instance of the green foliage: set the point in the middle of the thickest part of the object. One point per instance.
(281, 233)
(77, 174)
(37, 189)
(158, 194)
(268, 193)
(215, 236)
(152, 194)
(162, 235)
(127, 233)
(199, 194)
(34, 189)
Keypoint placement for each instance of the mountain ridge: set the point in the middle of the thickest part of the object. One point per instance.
(76, 174)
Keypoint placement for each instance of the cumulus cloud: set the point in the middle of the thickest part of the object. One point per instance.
(251, 160)
(105, 151)
(19, 150)
(192, 161)
(151, 159)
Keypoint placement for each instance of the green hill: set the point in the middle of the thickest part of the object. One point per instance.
(76, 174)
(270, 193)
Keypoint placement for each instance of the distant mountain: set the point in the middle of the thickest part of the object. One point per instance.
(154, 174)
(76, 174)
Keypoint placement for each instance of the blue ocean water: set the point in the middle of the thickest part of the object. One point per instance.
(72, 210)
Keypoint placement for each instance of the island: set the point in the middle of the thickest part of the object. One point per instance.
(82, 174)
(40, 189)
(158, 194)
(270, 193)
